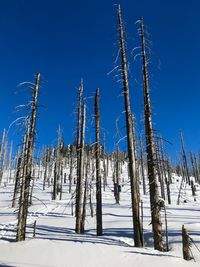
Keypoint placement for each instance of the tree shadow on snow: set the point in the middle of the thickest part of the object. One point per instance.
(67, 234)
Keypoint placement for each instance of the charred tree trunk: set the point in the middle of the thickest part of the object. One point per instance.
(79, 190)
(3, 156)
(98, 174)
(142, 166)
(78, 141)
(138, 237)
(185, 159)
(17, 182)
(151, 153)
(23, 209)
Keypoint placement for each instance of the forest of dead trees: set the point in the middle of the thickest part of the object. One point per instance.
(89, 164)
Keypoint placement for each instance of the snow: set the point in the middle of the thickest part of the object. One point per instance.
(57, 244)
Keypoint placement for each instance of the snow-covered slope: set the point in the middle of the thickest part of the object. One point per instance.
(56, 243)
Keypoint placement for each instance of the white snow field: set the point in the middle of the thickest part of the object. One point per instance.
(57, 244)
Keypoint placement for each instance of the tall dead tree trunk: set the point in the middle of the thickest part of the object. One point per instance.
(23, 208)
(150, 150)
(142, 166)
(197, 169)
(2, 142)
(47, 156)
(98, 174)
(78, 141)
(185, 160)
(79, 191)
(138, 237)
(9, 170)
(193, 167)
(71, 167)
(3, 153)
(85, 191)
(17, 180)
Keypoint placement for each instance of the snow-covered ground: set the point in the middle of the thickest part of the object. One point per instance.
(56, 243)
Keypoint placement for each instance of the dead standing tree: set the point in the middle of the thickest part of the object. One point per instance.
(185, 163)
(138, 239)
(98, 174)
(79, 190)
(23, 207)
(150, 150)
(78, 141)
(142, 166)
(3, 152)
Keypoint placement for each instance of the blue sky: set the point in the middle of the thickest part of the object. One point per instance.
(67, 40)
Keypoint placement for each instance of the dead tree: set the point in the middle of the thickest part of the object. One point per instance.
(23, 207)
(142, 166)
(9, 170)
(71, 167)
(150, 150)
(186, 244)
(3, 154)
(185, 159)
(79, 190)
(98, 174)
(57, 168)
(78, 141)
(17, 180)
(2, 142)
(47, 158)
(159, 169)
(196, 169)
(105, 172)
(85, 190)
(130, 139)
(117, 187)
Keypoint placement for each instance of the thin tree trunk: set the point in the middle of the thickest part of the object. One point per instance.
(79, 191)
(185, 159)
(23, 209)
(138, 237)
(151, 154)
(142, 166)
(78, 141)
(98, 174)
(17, 181)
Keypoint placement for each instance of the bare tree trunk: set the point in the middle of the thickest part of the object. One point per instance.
(91, 205)
(17, 181)
(138, 237)
(159, 170)
(23, 209)
(185, 159)
(98, 174)
(9, 171)
(197, 169)
(71, 167)
(46, 167)
(3, 156)
(85, 193)
(186, 244)
(79, 190)
(78, 141)
(151, 154)
(61, 179)
(142, 166)
(2, 143)
(55, 182)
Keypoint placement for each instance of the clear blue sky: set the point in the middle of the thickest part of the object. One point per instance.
(66, 40)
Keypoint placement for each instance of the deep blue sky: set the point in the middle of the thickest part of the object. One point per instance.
(67, 40)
